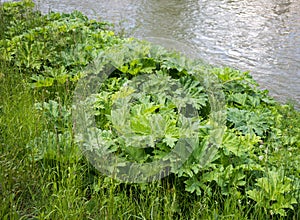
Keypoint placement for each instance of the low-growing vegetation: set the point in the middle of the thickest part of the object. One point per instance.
(253, 172)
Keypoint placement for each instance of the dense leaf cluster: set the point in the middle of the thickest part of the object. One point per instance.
(258, 158)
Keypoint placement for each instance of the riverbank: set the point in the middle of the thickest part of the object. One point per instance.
(265, 46)
(253, 174)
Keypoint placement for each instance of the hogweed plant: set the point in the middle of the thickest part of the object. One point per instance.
(76, 97)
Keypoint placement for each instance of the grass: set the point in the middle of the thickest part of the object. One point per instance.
(73, 189)
(62, 189)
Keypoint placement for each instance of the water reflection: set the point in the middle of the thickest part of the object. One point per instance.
(262, 36)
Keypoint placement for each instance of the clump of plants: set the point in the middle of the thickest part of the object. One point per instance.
(231, 138)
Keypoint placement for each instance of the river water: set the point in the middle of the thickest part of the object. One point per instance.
(262, 36)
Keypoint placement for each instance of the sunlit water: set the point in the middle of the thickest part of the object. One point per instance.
(262, 36)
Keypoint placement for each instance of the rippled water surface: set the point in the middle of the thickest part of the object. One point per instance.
(262, 36)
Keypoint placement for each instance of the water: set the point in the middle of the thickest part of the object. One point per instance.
(262, 36)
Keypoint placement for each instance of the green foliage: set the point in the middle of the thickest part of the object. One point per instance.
(253, 173)
(249, 122)
(56, 48)
(248, 148)
(273, 193)
(146, 117)
(17, 17)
